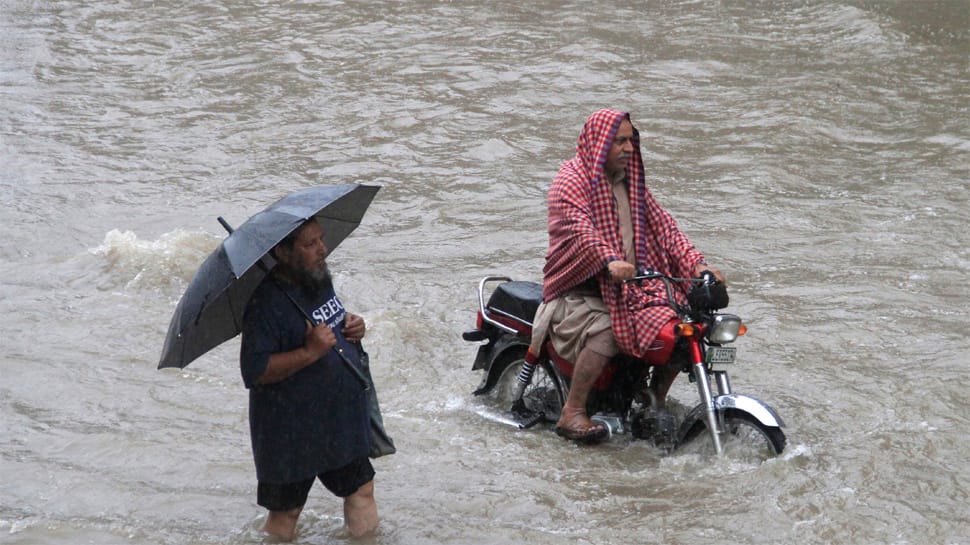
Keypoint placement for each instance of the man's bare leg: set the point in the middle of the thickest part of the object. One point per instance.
(661, 381)
(662, 423)
(282, 524)
(360, 511)
(588, 367)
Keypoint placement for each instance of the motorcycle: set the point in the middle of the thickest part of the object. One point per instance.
(532, 388)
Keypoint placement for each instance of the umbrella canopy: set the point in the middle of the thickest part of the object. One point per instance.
(210, 311)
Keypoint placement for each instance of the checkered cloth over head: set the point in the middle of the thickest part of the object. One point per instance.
(584, 236)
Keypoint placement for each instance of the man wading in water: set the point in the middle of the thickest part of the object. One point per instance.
(308, 414)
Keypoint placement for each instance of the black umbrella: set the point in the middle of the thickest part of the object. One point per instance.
(210, 311)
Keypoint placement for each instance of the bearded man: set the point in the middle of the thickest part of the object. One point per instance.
(307, 413)
(603, 224)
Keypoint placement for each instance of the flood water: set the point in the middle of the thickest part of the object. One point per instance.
(816, 152)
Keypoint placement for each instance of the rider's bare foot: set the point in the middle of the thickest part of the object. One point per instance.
(575, 425)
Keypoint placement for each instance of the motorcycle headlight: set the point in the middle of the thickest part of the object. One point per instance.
(725, 329)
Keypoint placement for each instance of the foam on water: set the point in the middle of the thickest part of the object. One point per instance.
(169, 261)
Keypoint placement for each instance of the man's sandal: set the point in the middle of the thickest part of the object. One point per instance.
(593, 434)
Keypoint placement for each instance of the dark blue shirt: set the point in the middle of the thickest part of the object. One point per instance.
(316, 420)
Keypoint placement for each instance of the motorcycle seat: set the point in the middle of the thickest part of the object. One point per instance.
(517, 298)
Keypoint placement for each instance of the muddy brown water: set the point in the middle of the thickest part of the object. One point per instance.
(817, 152)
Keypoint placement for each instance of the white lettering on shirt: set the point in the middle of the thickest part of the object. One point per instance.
(332, 312)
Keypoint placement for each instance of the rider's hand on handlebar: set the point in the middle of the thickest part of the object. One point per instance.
(700, 268)
(621, 270)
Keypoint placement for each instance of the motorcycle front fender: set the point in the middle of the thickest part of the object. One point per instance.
(751, 405)
(739, 402)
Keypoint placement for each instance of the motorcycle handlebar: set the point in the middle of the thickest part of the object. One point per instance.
(645, 274)
(708, 296)
(649, 274)
(706, 278)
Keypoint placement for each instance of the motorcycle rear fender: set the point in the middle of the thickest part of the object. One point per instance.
(482, 357)
(486, 350)
(490, 352)
(753, 406)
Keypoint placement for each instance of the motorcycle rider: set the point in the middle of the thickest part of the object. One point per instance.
(603, 222)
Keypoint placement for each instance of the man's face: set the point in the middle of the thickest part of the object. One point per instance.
(621, 149)
(308, 258)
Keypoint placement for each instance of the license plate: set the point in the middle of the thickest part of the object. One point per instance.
(720, 354)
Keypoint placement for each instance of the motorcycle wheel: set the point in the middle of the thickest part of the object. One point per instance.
(744, 437)
(542, 396)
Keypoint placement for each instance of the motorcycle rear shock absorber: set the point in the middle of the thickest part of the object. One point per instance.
(529, 365)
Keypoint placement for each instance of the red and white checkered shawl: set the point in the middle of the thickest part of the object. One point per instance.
(584, 237)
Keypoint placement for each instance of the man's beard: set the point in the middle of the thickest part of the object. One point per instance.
(312, 279)
(619, 172)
